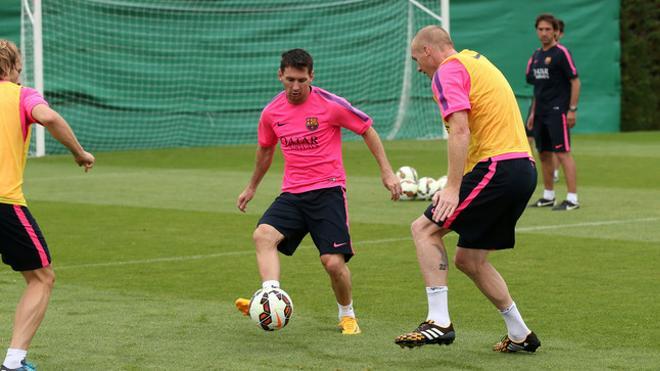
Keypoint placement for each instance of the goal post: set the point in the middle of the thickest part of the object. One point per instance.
(408, 68)
(138, 74)
(31, 12)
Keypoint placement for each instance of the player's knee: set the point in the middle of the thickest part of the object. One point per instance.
(265, 236)
(563, 156)
(419, 227)
(44, 277)
(334, 264)
(465, 265)
(50, 280)
(546, 156)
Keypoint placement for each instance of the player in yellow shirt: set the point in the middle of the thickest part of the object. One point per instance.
(22, 244)
(490, 177)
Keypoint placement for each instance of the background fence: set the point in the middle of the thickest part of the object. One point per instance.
(147, 74)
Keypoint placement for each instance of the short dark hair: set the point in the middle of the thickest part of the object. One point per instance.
(297, 58)
(560, 24)
(547, 17)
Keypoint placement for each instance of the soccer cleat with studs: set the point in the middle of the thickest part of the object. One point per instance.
(427, 333)
(349, 326)
(243, 305)
(25, 366)
(566, 205)
(506, 345)
(543, 202)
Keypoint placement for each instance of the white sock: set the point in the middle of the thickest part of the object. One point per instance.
(515, 325)
(572, 197)
(556, 173)
(438, 306)
(346, 310)
(549, 195)
(270, 283)
(14, 357)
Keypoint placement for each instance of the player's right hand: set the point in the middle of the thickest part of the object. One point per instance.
(86, 160)
(445, 202)
(530, 122)
(391, 182)
(244, 198)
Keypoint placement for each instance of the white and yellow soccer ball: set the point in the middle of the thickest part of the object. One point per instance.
(407, 172)
(408, 189)
(442, 182)
(426, 188)
(271, 308)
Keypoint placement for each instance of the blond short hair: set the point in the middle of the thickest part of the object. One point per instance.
(10, 57)
(435, 36)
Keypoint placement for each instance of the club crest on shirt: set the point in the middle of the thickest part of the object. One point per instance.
(548, 60)
(312, 123)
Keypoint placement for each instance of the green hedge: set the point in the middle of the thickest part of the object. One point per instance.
(640, 65)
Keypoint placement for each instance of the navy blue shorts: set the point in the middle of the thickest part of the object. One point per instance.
(323, 213)
(22, 245)
(551, 133)
(492, 197)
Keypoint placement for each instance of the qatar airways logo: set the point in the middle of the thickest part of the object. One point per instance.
(300, 143)
(541, 73)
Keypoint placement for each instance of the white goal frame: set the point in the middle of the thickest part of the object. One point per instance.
(34, 14)
(404, 101)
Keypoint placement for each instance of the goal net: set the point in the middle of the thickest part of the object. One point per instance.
(132, 74)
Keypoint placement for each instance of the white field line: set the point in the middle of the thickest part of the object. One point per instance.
(357, 243)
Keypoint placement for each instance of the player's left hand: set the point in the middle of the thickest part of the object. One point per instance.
(571, 118)
(244, 198)
(85, 159)
(445, 202)
(391, 182)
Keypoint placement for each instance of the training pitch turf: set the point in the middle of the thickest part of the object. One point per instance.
(150, 253)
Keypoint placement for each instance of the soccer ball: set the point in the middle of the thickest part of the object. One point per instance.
(442, 182)
(426, 188)
(408, 189)
(271, 308)
(407, 172)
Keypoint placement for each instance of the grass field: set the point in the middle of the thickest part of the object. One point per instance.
(150, 253)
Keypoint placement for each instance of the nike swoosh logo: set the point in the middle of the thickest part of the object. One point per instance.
(278, 124)
(335, 245)
(279, 321)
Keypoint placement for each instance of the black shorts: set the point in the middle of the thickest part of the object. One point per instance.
(22, 245)
(551, 132)
(323, 213)
(492, 197)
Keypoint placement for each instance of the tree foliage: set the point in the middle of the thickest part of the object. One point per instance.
(640, 65)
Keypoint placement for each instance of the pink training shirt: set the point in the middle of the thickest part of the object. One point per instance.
(452, 74)
(310, 138)
(30, 98)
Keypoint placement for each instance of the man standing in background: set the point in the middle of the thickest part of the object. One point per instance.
(556, 92)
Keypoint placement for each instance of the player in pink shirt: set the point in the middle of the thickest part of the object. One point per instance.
(306, 121)
(22, 245)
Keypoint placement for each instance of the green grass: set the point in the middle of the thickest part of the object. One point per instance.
(150, 252)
